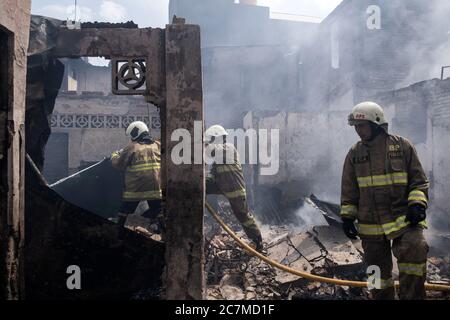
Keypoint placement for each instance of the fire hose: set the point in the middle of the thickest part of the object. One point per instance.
(309, 276)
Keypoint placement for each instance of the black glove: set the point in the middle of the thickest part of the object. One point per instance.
(416, 213)
(350, 228)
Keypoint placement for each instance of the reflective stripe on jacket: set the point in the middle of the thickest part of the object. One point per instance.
(228, 174)
(380, 179)
(142, 166)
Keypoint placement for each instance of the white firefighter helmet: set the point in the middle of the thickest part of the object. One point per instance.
(367, 111)
(215, 131)
(135, 129)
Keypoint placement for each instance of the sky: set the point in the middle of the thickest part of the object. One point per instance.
(154, 13)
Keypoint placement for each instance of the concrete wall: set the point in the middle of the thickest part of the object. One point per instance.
(312, 151)
(14, 28)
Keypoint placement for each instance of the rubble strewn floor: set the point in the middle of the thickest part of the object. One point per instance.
(232, 274)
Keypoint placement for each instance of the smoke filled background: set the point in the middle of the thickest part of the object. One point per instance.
(303, 76)
(300, 66)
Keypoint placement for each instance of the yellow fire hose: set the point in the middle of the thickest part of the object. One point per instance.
(428, 286)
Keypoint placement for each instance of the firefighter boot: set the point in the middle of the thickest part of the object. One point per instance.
(259, 243)
(254, 234)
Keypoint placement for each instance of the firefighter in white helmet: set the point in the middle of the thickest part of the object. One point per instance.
(227, 178)
(384, 200)
(141, 163)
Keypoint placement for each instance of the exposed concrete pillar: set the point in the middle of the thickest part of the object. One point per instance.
(185, 182)
(14, 29)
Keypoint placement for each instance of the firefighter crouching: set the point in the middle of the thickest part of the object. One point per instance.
(227, 179)
(384, 200)
(141, 162)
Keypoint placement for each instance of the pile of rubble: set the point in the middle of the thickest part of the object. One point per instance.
(438, 266)
(233, 274)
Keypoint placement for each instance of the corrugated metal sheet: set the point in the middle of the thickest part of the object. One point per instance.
(97, 189)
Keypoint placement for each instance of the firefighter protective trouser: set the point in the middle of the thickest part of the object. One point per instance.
(411, 251)
(238, 203)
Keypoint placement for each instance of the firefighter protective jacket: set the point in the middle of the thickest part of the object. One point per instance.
(142, 166)
(227, 173)
(381, 178)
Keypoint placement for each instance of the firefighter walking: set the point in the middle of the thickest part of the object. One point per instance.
(384, 198)
(227, 179)
(141, 162)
